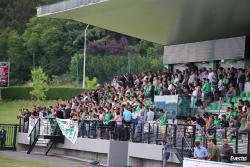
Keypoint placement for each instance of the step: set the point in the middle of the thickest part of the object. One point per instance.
(56, 138)
(41, 144)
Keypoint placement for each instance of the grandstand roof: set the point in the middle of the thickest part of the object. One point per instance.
(165, 22)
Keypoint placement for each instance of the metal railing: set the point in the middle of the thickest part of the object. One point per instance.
(46, 130)
(35, 132)
(64, 6)
(8, 140)
(181, 136)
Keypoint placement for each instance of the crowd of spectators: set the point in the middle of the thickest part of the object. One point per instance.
(130, 99)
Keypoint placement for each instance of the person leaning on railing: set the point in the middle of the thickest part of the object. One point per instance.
(163, 124)
(118, 125)
(24, 114)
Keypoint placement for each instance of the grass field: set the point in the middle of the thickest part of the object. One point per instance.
(7, 162)
(10, 109)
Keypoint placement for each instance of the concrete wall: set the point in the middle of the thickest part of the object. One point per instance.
(202, 163)
(148, 155)
(228, 48)
(118, 153)
(108, 153)
(91, 145)
(85, 149)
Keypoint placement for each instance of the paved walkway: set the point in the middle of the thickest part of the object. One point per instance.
(52, 160)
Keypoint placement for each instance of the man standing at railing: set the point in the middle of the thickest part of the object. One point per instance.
(2, 138)
(163, 124)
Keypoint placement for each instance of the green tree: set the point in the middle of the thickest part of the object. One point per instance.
(15, 14)
(53, 43)
(3, 46)
(20, 62)
(104, 68)
(39, 81)
(91, 84)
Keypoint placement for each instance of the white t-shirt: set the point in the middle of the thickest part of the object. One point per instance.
(134, 115)
(211, 77)
(195, 93)
(220, 85)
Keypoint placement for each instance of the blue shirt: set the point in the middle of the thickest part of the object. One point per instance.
(200, 152)
(127, 115)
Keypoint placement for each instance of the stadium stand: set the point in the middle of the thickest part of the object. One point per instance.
(124, 109)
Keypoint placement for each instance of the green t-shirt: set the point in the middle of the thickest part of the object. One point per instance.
(217, 122)
(148, 89)
(163, 120)
(227, 117)
(206, 88)
(235, 114)
(106, 94)
(138, 109)
(158, 88)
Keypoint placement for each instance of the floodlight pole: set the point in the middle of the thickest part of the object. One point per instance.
(84, 55)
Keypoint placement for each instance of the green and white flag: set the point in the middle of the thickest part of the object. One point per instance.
(69, 129)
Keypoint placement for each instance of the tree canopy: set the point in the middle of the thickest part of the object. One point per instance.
(27, 41)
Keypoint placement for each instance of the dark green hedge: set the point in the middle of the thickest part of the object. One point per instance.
(63, 93)
(23, 93)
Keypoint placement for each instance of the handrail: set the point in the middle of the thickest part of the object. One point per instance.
(38, 121)
(34, 134)
(184, 136)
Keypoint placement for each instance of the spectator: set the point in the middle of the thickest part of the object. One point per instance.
(140, 125)
(225, 152)
(150, 115)
(245, 125)
(221, 85)
(206, 89)
(2, 138)
(200, 152)
(231, 92)
(241, 80)
(165, 153)
(118, 125)
(232, 126)
(213, 151)
(134, 116)
(127, 115)
(195, 97)
(25, 114)
(163, 124)
(211, 75)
